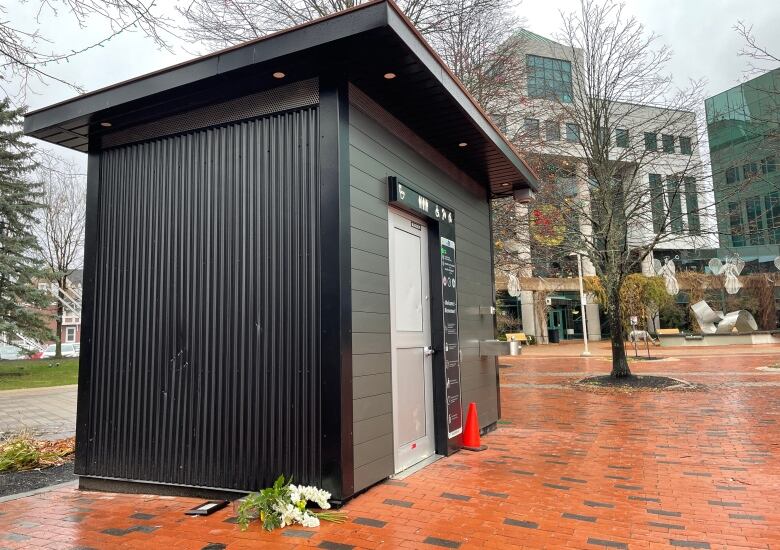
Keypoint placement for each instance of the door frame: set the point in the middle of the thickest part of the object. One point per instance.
(445, 445)
(393, 216)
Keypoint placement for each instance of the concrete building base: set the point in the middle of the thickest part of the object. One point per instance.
(675, 340)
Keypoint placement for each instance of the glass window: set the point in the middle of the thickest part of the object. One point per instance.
(621, 137)
(552, 130)
(674, 201)
(657, 202)
(500, 121)
(732, 175)
(668, 143)
(755, 221)
(531, 127)
(572, 132)
(749, 170)
(549, 78)
(736, 224)
(651, 141)
(70, 334)
(685, 145)
(768, 164)
(692, 206)
(772, 207)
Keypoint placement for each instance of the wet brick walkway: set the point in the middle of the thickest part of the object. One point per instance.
(565, 469)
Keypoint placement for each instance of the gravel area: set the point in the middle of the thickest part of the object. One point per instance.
(12, 483)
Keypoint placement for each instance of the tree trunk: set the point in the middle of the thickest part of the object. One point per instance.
(619, 362)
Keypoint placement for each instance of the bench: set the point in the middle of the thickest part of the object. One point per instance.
(517, 337)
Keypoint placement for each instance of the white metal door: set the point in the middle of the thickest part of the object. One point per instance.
(410, 340)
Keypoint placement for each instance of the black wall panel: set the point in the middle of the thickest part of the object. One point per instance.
(204, 368)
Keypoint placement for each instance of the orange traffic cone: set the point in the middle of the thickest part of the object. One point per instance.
(471, 440)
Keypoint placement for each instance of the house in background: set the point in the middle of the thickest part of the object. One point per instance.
(71, 304)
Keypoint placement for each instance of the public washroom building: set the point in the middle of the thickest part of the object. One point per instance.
(288, 261)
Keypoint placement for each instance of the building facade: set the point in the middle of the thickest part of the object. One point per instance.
(743, 126)
(669, 138)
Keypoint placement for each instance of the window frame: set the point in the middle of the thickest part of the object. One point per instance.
(621, 138)
(533, 129)
(572, 129)
(549, 78)
(549, 125)
(686, 145)
(667, 143)
(654, 137)
(657, 202)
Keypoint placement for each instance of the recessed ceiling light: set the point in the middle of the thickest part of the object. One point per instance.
(462, 144)
(105, 124)
(279, 75)
(390, 76)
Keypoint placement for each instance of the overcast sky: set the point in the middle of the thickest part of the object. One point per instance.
(699, 32)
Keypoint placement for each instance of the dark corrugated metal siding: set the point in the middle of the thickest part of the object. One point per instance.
(205, 366)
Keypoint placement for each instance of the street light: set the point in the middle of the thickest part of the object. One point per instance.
(585, 353)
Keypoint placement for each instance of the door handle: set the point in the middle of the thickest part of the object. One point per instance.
(428, 351)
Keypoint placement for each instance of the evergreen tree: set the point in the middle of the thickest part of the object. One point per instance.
(20, 299)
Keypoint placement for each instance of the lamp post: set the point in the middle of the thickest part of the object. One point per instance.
(585, 353)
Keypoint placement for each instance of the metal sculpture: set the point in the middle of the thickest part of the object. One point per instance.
(730, 269)
(741, 320)
(706, 316)
(668, 272)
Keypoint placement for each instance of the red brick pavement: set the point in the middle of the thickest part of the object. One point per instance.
(565, 469)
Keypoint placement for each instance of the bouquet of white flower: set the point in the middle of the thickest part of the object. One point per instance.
(285, 504)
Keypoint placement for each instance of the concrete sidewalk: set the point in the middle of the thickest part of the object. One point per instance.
(49, 413)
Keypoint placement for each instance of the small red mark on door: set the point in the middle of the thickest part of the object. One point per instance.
(414, 445)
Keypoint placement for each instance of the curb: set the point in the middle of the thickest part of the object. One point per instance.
(34, 492)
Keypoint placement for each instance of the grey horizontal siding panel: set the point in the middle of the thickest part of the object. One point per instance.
(366, 261)
(370, 363)
(373, 472)
(372, 428)
(368, 204)
(371, 184)
(382, 158)
(360, 219)
(370, 322)
(372, 450)
(370, 302)
(370, 282)
(207, 283)
(366, 342)
(375, 154)
(370, 407)
(368, 242)
(371, 385)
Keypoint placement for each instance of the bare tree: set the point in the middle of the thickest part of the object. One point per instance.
(752, 49)
(26, 53)
(222, 23)
(616, 153)
(475, 38)
(60, 229)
